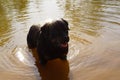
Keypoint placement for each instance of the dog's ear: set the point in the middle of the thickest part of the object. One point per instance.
(66, 23)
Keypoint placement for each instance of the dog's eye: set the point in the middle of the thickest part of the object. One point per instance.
(66, 31)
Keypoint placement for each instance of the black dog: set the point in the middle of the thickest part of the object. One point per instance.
(51, 40)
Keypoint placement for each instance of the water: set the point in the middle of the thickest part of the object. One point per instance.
(94, 52)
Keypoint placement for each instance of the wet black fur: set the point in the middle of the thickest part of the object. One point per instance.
(48, 39)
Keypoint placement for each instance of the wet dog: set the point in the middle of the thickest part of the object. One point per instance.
(50, 40)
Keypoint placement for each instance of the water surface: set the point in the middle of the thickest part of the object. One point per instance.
(94, 52)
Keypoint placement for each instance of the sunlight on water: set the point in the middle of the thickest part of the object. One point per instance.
(24, 56)
(49, 20)
(19, 55)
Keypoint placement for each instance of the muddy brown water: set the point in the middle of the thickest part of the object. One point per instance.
(94, 48)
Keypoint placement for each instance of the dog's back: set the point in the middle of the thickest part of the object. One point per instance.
(32, 36)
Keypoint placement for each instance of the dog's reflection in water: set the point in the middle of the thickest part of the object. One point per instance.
(56, 69)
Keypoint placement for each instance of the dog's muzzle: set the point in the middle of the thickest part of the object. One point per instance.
(65, 41)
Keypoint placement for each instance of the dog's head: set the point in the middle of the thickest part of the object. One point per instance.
(56, 36)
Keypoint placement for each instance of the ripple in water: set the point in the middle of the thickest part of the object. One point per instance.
(94, 34)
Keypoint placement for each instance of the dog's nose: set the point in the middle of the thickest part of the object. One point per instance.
(66, 39)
